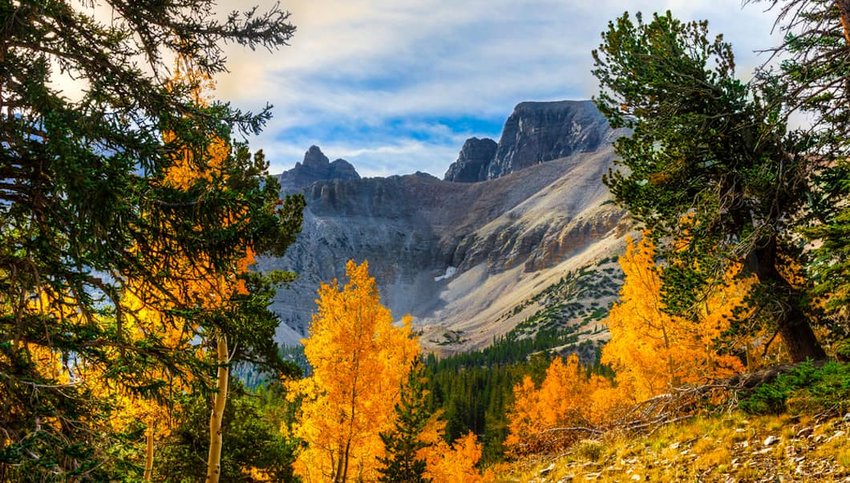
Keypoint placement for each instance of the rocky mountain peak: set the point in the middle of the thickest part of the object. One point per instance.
(460, 256)
(473, 161)
(315, 167)
(315, 158)
(535, 132)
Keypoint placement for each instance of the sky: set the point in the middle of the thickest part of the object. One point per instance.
(397, 86)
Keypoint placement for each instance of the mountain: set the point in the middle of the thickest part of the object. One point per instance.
(467, 259)
(473, 162)
(315, 167)
(534, 133)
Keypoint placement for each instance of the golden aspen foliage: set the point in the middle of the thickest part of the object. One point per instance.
(455, 462)
(568, 397)
(450, 462)
(359, 361)
(652, 351)
(195, 281)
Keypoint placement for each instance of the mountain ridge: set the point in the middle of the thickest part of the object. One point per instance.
(535, 132)
(459, 255)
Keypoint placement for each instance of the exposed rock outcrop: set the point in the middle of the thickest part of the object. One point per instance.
(473, 161)
(315, 167)
(536, 132)
(459, 255)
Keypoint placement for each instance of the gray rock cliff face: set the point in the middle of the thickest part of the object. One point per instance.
(315, 167)
(473, 161)
(457, 255)
(535, 132)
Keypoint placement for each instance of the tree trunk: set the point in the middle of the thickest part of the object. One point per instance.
(793, 324)
(214, 459)
(345, 459)
(337, 477)
(844, 16)
(149, 451)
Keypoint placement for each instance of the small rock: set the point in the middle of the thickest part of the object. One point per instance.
(547, 470)
(592, 476)
(770, 440)
(805, 433)
(847, 418)
(636, 478)
(675, 445)
(567, 478)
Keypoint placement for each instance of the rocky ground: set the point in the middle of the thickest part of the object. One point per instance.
(733, 447)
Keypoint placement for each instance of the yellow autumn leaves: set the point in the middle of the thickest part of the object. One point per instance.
(359, 361)
(650, 351)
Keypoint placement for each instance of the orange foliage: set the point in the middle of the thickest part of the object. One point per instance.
(567, 398)
(359, 360)
(455, 462)
(652, 351)
(193, 282)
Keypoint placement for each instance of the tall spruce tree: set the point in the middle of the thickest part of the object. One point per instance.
(815, 72)
(84, 208)
(709, 167)
(402, 444)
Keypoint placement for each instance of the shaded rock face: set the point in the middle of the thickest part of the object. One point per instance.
(453, 254)
(315, 167)
(536, 132)
(473, 161)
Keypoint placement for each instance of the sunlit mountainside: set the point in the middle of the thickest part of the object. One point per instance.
(464, 257)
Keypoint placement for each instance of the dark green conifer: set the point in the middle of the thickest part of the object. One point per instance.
(84, 209)
(402, 443)
(712, 150)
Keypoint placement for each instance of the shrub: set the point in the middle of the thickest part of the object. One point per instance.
(805, 388)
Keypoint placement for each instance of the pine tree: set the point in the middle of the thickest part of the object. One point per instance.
(815, 80)
(85, 211)
(707, 146)
(402, 444)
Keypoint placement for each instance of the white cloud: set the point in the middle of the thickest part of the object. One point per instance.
(375, 81)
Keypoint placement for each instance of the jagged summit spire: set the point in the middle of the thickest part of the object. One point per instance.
(315, 158)
(316, 167)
